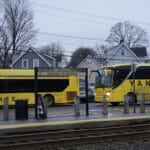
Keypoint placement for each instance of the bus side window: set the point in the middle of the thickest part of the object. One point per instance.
(119, 77)
(142, 72)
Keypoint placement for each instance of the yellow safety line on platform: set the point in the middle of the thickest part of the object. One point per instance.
(71, 122)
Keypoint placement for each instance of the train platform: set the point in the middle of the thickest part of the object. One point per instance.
(95, 119)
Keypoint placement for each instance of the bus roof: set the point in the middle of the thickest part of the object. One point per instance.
(119, 65)
(44, 73)
(15, 72)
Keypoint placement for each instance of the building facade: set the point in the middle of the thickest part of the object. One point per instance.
(122, 54)
(31, 59)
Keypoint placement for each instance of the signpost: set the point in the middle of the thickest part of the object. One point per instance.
(36, 91)
(86, 85)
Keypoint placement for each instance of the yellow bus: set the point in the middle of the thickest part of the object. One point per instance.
(19, 84)
(117, 80)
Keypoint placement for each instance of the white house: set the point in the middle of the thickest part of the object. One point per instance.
(122, 54)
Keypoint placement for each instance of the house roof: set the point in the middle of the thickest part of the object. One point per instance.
(117, 48)
(49, 58)
(88, 57)
(18, 57)
(139, 51)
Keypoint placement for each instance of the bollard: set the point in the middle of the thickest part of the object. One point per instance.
(142, 103)
(77, 105)
(105, 108)
(126, 104)
(6, 108)
(44, 99)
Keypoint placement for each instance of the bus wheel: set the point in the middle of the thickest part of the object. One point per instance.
(115, 103)
(132, 96)
(49, 100)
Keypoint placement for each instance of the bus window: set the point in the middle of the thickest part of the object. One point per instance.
(98, 81)
(119, 76)
(142, 72)
(108, 79)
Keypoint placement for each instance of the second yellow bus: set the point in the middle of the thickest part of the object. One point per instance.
(117, 80)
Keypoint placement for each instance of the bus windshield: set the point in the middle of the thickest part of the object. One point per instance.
(103, 78)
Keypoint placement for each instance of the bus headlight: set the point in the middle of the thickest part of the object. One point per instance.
(107, 93)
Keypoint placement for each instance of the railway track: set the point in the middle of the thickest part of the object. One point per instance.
(53, 140)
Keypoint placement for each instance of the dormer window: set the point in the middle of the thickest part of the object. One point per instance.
(89, 62)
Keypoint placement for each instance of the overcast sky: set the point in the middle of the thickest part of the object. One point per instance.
(90, 19)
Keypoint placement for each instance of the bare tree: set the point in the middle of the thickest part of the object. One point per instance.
(79, 55)
(132, 34)
(17, 27)
(55, 50)
(5, 47)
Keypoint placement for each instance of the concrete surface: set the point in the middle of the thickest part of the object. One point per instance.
(66, 120)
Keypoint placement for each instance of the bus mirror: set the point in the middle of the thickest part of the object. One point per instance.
(107, 72)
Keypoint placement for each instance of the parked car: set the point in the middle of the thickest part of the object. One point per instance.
(83, 93)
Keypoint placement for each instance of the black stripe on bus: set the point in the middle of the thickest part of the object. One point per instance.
(27, 85)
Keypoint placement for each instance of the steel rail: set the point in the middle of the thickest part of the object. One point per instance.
(73, 136)
(76, 141)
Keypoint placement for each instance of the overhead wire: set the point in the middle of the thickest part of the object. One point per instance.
(97, 57)
(80, 37)
(87, 14)
(67, 36)
(70, 36)
(74, 18)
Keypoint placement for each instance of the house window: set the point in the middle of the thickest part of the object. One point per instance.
(89, 62)
(25, 63)
(122, 52)
(35, 63)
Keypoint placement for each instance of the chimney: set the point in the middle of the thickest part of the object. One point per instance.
(121, 41)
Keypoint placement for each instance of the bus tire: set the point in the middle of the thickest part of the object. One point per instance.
(131, 98)
(49, 100)
(115, 103)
